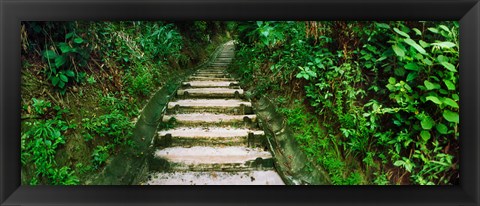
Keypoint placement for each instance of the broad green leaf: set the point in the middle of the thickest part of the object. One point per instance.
(425, 135)
(444, 28)
(399, 71)
(69, 35)
(455, 97)
(449, 84)
(423, 44)
(427, 123)
(64, 47)
(401, 33)
(416, 46)
(78, 40)
(445, 44)
(70, 73)
(399, 163)
(450, 102)
(399, 52)
(382, 25)
(434, 99)
(55, 81)
(451, 116)
(63, 78)
(59, 61)
(434, 30)
(429, 85)
(411, 66)
(442, 58)
(427, 62)
(392, 80)
(61, 84)
(417, 32)
(49, 54)
(441, 128)
(411, 76)
(449, 66)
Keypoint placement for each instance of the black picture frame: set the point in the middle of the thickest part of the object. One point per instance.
(14, 11)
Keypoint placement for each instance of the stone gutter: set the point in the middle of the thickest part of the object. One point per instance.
(291, 162)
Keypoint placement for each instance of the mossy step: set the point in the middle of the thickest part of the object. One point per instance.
(206, 84)
(209, 118)
(268, 177)
(210, 136)
(223, 60)
(211, 92)
(220, 64)
(219, 75)
(211, 72)
(194, 78)
(209, 132)
(201, 158)
(228, 106)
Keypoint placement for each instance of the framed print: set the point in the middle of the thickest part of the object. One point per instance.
(239, 102)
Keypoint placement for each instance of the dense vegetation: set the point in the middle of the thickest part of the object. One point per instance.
(84, 84)
(370, 102)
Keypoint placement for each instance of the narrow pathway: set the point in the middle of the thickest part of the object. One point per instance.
(216, 139)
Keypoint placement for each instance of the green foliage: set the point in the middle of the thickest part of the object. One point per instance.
(115, 124)
(63, 60)
(100, 155)
(40, 142)
(123, 62)
(386, 93)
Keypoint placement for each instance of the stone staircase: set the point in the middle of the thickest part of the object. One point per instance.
(215, 139)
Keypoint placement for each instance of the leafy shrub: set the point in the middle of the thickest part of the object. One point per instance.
(39, 144)
(386, 93)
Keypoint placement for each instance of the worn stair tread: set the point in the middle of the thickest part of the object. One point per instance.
(210, 91)
(222, 103)
(208, 118)
(211, 75)
(211, 155)
(211, 132)
(210, 83)
(211, 78)
(268, 177)
(210, 72)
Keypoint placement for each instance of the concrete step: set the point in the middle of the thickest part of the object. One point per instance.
(204, 84)
(210, 119)
(194, 78)
(210, 72)
(211, 92)
(222, 68)
(268, 177)
(223, 60)
(228, 106)
(210, 136)
(220, 64)
(199, 158)
(218, 75)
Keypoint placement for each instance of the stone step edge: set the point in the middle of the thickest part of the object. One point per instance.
(209, 118)
(212, 132)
